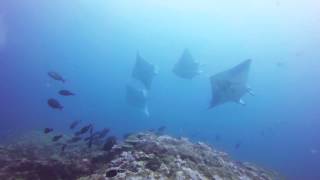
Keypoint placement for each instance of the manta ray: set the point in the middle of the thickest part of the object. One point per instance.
(187, 67)
(137, 96)
(230, 85)
(144, 71)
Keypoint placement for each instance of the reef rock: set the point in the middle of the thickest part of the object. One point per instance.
(145, 156)
(142, 156)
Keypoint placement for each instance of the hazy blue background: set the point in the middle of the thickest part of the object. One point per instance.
(93, 44)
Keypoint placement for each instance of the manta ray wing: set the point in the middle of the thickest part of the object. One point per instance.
(230, 85)
(136, 96)
(187, 67)
(240, 73)
(144, 71)
(219, 86)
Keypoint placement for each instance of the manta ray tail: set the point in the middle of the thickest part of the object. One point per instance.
(146, 112)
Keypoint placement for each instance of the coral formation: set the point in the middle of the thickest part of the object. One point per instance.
(141, 156)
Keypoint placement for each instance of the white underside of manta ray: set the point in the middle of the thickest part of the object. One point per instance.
(230, 85)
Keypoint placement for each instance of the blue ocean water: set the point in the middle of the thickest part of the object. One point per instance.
(93, 44)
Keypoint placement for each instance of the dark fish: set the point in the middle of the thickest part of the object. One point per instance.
(98, 135)
(151, 130)
(280, 64)
(57, 138)
(103, 133)
(47, 130)
(64, 146)
(56, 76)
(83, 130)
(66, 93)
(110, 142)
(87, 138)
(90, 143)
(237, 146)
(91, 130)
(91, 138)
(55, 104)
(299, 54)
(74, 139)
(218, 138)
(161, 130)
(74, 124)
(125, 136)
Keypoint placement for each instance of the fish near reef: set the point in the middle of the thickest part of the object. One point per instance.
(54, 104)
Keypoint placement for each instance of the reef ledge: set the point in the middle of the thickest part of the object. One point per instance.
(141, 156)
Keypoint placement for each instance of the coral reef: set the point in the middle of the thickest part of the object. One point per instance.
(142, 156)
